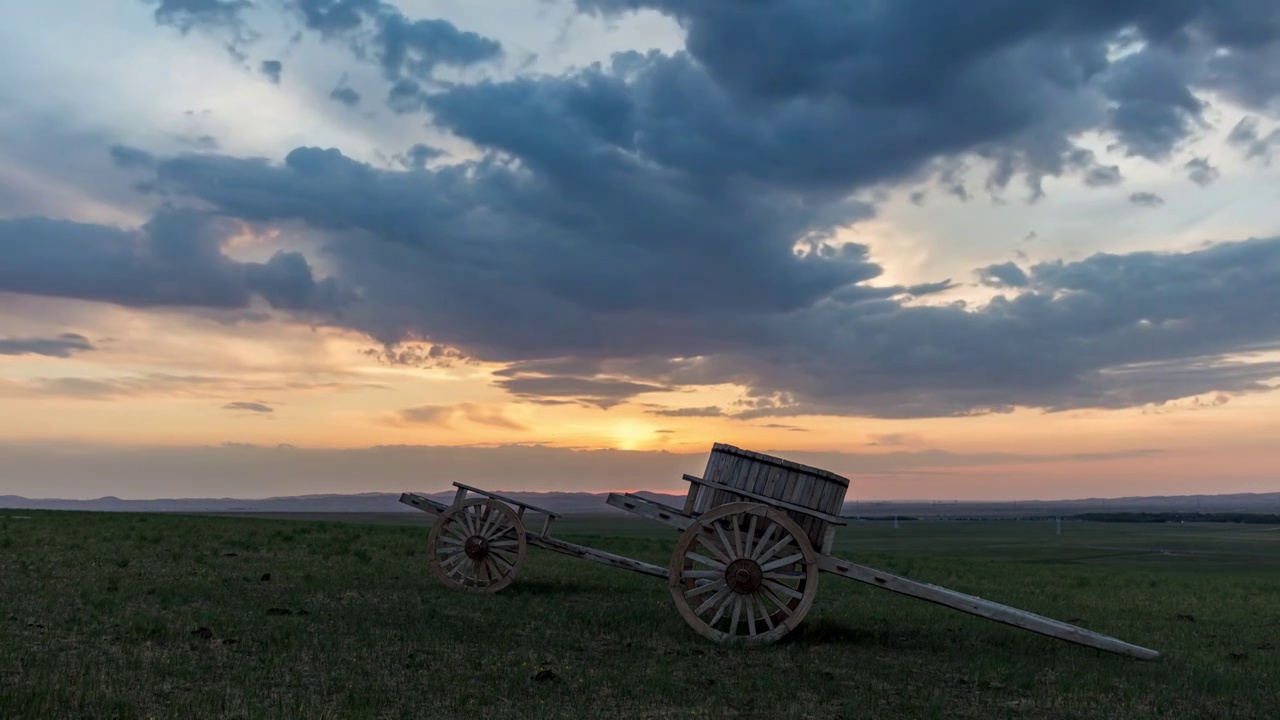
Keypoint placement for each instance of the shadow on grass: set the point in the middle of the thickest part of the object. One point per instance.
(825, 631)
(545, 588)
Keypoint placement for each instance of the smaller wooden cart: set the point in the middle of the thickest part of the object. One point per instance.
(756, 531)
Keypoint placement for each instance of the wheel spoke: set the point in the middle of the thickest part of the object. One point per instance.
(786, 540)
(705, 560)
(751, 534)
(751, 614)
(450, 541)
(764, 539)
(737, 613)
(764, 611)
(724, 605)
(728, 546)
(767, 592)
(784, 589)
(709, 543)
(702, 589)
(701, 574)
(737, 538)
(713, 600)
(788, 560)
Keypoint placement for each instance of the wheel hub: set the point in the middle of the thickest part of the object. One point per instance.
(476, 547)
(744, 576)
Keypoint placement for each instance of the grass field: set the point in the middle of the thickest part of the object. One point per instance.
(138, 616)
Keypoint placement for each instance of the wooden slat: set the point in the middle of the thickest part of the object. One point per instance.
(983, 608)
(423, 503)
(506, 499)
(780, 462)
(650, 509)
(773, 502)
(597, 556)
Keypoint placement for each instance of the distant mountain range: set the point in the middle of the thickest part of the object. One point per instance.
(583, 503)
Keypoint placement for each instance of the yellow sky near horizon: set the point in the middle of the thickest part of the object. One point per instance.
(164, 379)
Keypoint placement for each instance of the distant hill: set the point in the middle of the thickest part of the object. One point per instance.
(581, 502)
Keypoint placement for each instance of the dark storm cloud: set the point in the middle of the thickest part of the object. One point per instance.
(272, 69)
(683, 206)
(1146, 199)
(61, 346)
(406, 49)
(174, 260)
(247, 406)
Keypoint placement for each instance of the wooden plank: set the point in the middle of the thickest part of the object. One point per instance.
(597, 556)
(510, 501)
(772, 502)
(780, 462)
(650, 509)
(423, 503)
(983, 608)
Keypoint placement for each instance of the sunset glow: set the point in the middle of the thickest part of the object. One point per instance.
(511, 247)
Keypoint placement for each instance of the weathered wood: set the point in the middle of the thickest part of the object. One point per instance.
(462, 489)
(983, 608)
(779, 462)
(743, 554)
(597, 556)
(833, 519)
(650, 509)
(477, 546)
(423, 503)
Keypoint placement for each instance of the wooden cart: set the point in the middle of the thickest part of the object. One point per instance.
(756, 530)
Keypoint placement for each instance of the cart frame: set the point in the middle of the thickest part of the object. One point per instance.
(761, 552)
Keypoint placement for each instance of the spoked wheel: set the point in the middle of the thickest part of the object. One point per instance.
(477, 546)
(744, 572)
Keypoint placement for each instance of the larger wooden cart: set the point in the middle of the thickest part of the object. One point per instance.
(756, 531)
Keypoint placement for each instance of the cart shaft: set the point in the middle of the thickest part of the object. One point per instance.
(983, 608)
(598, 556)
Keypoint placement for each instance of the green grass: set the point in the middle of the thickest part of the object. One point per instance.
(98, 611)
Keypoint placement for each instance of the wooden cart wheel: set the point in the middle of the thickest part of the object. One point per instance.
(744, 572)
(477, 546)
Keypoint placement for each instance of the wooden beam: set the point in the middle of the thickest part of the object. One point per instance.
(772, 502)
(510, 501)
(423, 503)
(650, 509)
(597, 556)
(983, 608)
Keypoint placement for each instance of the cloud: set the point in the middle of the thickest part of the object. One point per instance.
(252, 407)
(660, 221)
(1146, 199)
(1200, 172)
(443, 415)
(710, 411)
(603, 393)
(175, 260)
(346, 96)
(1246, 138)
(1003, 275)
(61, 346)
(244, 470)
(271, 69)
(129, 157)
(164, 385)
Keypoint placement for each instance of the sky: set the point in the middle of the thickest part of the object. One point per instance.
(980, 250)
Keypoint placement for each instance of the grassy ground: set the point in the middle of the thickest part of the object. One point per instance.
(133, 616)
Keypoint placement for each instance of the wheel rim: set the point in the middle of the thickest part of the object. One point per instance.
(744, 572)
(477, 546)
